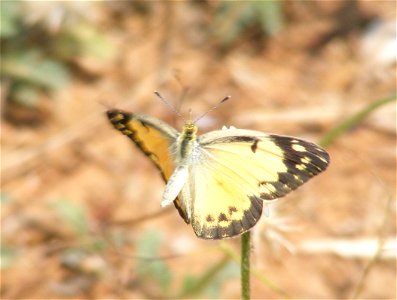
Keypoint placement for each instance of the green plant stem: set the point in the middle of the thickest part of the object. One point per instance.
(257, 273)
(354, 120)
(245, 265)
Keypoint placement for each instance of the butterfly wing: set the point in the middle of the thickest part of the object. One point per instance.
(223, 201)
(153, 137)
(241, 168)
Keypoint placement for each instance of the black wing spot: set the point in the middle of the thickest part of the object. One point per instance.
(222, 217)
(254, 146)
(232, 210)
(210, 219)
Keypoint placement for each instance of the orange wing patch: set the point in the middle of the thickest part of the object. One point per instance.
(154, 138)
(150, 138)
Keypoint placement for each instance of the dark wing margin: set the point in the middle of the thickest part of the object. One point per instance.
(153, 137)
(303, 159)
(214, 230)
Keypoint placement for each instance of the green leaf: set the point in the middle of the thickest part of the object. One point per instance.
(73, 214)
(148, 244)
(153, 270)
(25, 94)
(31, 66)
(82, 39)
(231, 19)
(92, 42)
(355, 119)
(7, 256)
(211, 281)
(270, 15)
(229, 271)
(234, 17)
(189, 284)
(9, 13)
(5, 198)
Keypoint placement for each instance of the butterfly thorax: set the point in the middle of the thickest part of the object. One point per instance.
(186, 142)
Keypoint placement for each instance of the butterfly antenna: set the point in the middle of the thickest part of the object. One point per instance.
(168, 105)
(212, 108)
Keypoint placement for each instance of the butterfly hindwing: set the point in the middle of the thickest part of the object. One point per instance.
(223, 202)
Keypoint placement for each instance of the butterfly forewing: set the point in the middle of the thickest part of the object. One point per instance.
(154, 138)
(276, 164)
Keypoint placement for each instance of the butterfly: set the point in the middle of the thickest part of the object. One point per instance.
(219, 181)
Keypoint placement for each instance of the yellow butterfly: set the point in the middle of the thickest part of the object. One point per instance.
(218, 181)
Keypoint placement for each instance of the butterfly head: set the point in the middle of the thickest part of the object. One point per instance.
(189, 130)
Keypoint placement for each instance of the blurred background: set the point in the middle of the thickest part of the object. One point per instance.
(80, 205)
